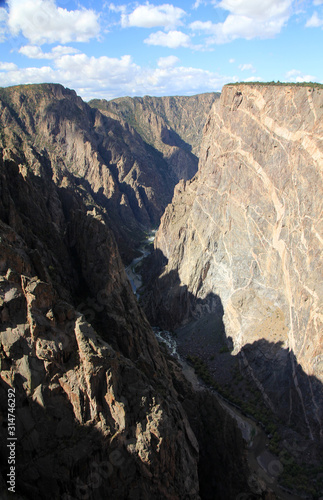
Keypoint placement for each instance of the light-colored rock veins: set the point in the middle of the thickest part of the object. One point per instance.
(248, 230)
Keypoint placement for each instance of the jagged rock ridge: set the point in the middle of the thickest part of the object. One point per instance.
(245, 235)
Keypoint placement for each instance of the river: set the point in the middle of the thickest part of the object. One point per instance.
(132, 270)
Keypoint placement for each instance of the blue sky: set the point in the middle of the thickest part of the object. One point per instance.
(106, 49)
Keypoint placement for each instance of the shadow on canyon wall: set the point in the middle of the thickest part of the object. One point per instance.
(58, 458)
(50, 232)
(54, 453)
(293, 396)
(58, 453)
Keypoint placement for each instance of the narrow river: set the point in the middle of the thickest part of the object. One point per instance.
(133, 270)
(266, 466)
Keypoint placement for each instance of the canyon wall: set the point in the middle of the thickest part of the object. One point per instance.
(171, 125)
(99, 409)
(243, 238)
(96, 413)
(104, 154)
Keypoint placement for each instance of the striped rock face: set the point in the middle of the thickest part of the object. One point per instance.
(247, 232)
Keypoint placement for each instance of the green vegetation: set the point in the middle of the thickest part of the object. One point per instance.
(253, 405)
(303, 477)
(300, 478)
(202, 371)
(52, 271)
(279, 84)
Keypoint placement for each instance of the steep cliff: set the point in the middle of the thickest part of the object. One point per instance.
(243, 240)
(125, 175)
(95, 410)
(98, 412)
(171, 125)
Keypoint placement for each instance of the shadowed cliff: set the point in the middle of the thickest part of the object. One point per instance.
(263, 379)
(96, 410)
(128, 176)
(247, 229)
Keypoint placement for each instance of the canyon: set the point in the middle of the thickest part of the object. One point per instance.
(241, 243)
(234, 183)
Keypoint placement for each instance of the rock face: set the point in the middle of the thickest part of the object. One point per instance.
(124, 174)
(171, 125)
(96, 412)
(244, 238)
(99, 412)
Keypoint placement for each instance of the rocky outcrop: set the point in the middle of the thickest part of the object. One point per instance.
(171, 125)
(96, 414)
(244, 236)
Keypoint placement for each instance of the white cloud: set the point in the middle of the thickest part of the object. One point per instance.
(253, 79)
(151, 16)
(172, 39)
(41, 21)
(314, 21)
(238, 27)
(206, 26)
(100, 70)
(5, 66)
(3, 23)
(295, 75)
(35, 52)
(105, 77)
(255, 9)
(246, 19)
(167, 62)
(318, 2)
(117, 8)
(247, 67)
(184, 80)
(18, 76)
(198, 3)
(231, 61)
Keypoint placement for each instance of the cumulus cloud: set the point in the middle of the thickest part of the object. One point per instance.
(5, 66)
(117, 8)
(295, 75)
(172, 39)
(318, 2)
(198, 3)
(105, 77)
(98, 71)
(238, 27)
(171, 80)
(264, 10)
(35, 52)
(167, 62)
(253, 79)
(41, 21)
(314, 21)
(246, 19)
(152, 16)
(18, 76)
(247, 67)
